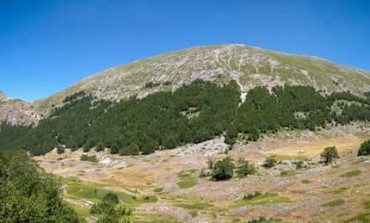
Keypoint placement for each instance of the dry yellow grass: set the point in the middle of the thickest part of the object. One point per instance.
(313, 149)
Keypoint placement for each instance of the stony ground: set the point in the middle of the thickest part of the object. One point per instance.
(316, 193)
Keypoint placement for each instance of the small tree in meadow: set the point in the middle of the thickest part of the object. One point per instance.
(223, 169)
(364, 149)
(329, 155)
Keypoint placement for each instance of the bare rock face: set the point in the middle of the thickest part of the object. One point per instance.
(16, 112)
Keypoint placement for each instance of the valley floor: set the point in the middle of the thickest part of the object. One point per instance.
(166, 186)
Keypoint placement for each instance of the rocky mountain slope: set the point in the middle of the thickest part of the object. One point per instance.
(17, 111)
(248, 66)
(3, 97)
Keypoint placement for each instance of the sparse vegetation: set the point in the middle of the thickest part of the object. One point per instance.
(305, 181)
(262, 199)
(158, 189)
(367, 204)
(351, 173)
(333, 203)
(335, 190)
(264, 220)
(92, 158)
(362, 218)
(270, 162)
(191, 203)
(245, 169)
(186, 180)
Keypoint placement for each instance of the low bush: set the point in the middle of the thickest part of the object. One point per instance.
(92, 158)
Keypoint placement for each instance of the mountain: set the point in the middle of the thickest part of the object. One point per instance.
(15, 111)
(3, 97)
(248, 66)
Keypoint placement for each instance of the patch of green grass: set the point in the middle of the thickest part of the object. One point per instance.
(367, 204)
(186, 180)
(95, 192)
(184, 174)
(351, 173)
(191, 203)
(158, 189)
(82, 212)
(149, 218)
(286, 173)
(335, 190)
(305, 181)
(293, 157)
(267, 198)
(333, 203)
(362, 218)
(187, 183)
(194, 213)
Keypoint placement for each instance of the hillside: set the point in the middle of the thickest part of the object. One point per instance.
(190, 96)
(248, 66)
(3, 97)
(173, 186)
(17, 111)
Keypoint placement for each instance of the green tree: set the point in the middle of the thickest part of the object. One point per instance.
(100, 147)
(110, 210)
(364, 149)
(329, 154)
(27, 194)
(223, 169)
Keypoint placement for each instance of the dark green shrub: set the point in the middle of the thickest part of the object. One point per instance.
(60, 150)
(100, 147)
(223, 169)
(298, 164)
(329, 154)
(92, 158)
(270, 162)
(364, 149)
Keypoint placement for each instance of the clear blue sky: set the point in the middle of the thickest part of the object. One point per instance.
(48, 45)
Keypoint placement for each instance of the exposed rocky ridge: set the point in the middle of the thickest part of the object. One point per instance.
(17, 112)
(3, 97)
(248, 66)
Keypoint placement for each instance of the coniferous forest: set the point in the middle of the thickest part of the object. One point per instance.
(193, 113)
